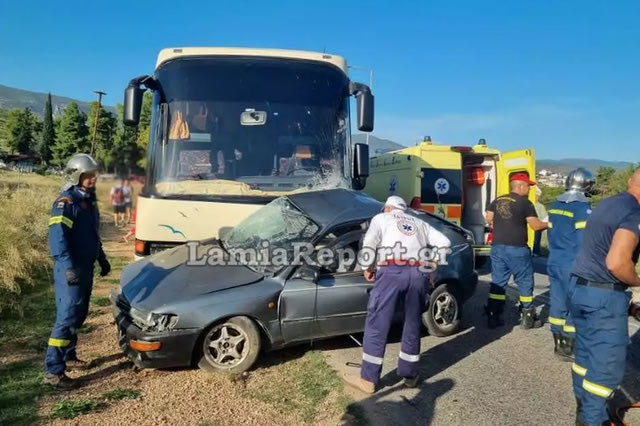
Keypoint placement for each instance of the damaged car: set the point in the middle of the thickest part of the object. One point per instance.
(209, 304)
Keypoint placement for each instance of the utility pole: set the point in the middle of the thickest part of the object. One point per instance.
(95, 125)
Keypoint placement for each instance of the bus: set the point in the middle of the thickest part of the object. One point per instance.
(234, 128)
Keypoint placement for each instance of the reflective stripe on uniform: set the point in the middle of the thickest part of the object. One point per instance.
(59, 343)
(581, 224)
(557, 321)
(526, 299)
(372, 359)
(596, 389)
(497, 296)
(568, 328)
(549, 225)
(579, 370)
(561, 212)
(409, 358)
(61, 219)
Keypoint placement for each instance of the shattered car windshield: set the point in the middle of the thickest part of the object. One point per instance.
(268, 237)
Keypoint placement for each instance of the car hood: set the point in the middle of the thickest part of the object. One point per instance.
(167, 277)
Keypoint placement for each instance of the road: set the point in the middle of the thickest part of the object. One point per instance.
(506, 376)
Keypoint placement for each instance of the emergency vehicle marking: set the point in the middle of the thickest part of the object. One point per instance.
(392, 185)
(441, 186)
(406, 227)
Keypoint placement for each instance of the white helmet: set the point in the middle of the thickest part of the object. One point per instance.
(79, 164)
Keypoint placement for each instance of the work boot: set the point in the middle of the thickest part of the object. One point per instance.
(359, 383)
(560, 349)
(530, 319)
(60, 381)
(568, 347)
(411, 382)
(493, 318)
(76, 364)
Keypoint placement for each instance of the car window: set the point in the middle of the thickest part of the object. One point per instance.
(343, 254)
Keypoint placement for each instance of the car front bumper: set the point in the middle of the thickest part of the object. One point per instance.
(176, 348)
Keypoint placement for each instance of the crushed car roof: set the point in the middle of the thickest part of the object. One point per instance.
(333, 206)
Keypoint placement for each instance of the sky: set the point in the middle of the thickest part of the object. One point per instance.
(560, 77)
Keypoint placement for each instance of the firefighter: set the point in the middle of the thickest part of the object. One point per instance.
(402, 275)
(567, 221)
(509, 216)
(74, 243)
(599, 301)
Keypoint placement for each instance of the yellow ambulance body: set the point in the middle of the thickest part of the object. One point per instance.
(456, 182)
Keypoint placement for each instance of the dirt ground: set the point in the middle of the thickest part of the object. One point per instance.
(271, 395)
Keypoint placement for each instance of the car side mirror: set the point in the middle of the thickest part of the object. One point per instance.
(308, 273)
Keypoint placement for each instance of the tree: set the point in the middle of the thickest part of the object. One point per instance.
(20, 125)
(48, 133)
(143, 128)
(127, 151)
(105, 131)
(71, 136)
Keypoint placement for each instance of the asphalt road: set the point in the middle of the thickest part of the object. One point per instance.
(506, 376)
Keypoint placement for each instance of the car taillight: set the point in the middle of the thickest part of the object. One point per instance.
(416, 203)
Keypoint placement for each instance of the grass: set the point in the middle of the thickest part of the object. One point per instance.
(306, 386)
(101, 301)
(24, 250)
(20, 389)
(74, 408)
(119, 394)
(38, 317)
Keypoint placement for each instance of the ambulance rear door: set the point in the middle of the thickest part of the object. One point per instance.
(523, 160)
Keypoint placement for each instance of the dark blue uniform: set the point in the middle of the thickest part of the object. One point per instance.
(567, 222)
(74, 243)
(599, 306)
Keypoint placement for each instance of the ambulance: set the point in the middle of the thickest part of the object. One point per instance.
(455, 182)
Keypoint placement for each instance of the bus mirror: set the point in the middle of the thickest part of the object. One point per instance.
(361, 161)
(132, 104)
(365, 106)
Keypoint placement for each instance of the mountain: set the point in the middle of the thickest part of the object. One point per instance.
(17, 98)
(376, 145)
(564, 166)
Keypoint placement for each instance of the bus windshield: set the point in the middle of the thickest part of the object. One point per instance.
(243, 126)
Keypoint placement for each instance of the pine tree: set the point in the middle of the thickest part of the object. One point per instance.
(104, 133)
(48, 133)
(127, 151)
(72, 135)
(20, 126)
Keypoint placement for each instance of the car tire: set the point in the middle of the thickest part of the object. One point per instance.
(443, 316)
(231, 346)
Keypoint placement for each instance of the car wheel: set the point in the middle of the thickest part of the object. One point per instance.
(443, 317)
(231, 346)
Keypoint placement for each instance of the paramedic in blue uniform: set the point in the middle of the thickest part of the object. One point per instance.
(74, 243)
(509, 216)
(396, 241)
(601, 274)
(567, 221)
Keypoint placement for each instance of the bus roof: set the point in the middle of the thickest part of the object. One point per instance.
(177, 52)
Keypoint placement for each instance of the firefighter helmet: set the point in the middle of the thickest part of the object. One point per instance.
(79, 164)
(580, 179)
